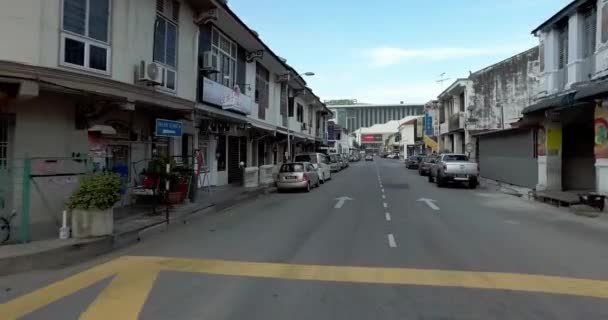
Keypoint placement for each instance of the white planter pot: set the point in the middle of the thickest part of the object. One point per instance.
(92, 223)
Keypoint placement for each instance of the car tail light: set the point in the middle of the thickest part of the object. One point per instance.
(305, 177)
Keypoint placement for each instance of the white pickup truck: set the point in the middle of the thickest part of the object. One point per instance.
(451, 167)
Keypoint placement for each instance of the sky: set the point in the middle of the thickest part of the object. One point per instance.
(388, 51)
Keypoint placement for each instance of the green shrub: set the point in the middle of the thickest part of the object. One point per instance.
(99, 191)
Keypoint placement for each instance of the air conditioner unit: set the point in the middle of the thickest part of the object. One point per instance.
(210, 62)
(150, 73)
(206, 16)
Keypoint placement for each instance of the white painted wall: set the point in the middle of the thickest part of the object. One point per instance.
(131, 37)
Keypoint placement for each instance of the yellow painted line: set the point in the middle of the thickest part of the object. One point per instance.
(124, 297)
(33, 301)
(419, 277)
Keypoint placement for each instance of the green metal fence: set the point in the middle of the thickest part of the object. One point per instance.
(15, 197)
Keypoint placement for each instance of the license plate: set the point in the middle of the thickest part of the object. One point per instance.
(290, 178)
(461, 176)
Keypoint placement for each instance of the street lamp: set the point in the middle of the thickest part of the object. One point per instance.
(307, 74)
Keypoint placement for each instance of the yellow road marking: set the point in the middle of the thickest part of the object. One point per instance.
(124, 297)
(420, 277)
(135, 276)
(31, 302)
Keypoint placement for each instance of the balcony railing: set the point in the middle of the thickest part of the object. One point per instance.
(456, 121)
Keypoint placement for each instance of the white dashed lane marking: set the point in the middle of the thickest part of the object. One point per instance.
(391, 241)
(388, 216)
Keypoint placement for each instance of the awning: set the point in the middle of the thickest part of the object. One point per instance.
(216, 112)
(79, 82)
(262, 125)
(562, 100)
(592, 90)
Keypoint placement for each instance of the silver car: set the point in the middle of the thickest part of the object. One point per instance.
(297, 175)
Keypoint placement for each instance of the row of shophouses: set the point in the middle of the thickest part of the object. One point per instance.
(538, 119)
(127, 81)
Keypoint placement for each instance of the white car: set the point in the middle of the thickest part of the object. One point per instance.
(319, 161)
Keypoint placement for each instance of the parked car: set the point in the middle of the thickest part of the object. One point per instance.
(297, 175)
(424, 167)
(457, 168)
(334, 163)
(343, 161)
(413, 162)
(319, 161)
(369, 157)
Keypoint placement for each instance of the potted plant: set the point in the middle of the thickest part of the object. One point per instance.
(91, 205)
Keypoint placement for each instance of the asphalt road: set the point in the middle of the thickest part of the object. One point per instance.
(385, 254)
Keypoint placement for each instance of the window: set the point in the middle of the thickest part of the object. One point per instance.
(85, 40)
(309, 118)
(290, 103)
(589, 33)
(563, 48)
(605, 23)
(226, 51)
(262, 89)
(300, 113)
(165, 40)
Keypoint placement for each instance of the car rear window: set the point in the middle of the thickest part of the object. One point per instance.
(455, 157)
(306, 158)
(292, 167)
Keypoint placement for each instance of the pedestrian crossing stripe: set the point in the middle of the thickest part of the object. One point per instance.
(133, 278)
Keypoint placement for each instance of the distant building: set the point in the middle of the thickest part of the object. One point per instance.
(355, 116)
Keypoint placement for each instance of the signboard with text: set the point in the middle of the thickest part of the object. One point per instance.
(168, 128)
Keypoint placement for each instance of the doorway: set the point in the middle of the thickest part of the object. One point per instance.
(237, 153)
(6, 181)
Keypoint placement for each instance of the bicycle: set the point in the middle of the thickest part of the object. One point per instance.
(5, 227)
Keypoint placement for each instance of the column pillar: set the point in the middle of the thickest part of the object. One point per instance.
(458, 143)
(550, 41)
(576, 27)
(550, 156)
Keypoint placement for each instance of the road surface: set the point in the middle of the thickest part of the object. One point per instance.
(397, 247)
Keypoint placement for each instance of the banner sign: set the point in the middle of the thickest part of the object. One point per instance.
(428, 125)
(371, 138)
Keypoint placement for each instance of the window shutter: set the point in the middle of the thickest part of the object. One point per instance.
(175, 11)
(604, 23)
(160, 6)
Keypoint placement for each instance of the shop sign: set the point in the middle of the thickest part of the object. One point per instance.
(228, 98)
(168, 128)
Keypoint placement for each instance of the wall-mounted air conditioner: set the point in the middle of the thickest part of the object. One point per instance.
(210, 62)
(150, 73)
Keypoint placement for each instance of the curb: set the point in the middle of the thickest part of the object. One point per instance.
(81, 251)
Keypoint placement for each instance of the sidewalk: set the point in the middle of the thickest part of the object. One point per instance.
(130, 226)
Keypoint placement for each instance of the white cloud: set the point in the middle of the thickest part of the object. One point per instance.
(386, 56)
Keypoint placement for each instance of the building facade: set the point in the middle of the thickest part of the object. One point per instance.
(113, 84)
(490, 99)
(569, 114)
(355, 116)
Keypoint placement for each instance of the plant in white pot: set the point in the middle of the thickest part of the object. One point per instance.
(91, 205)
